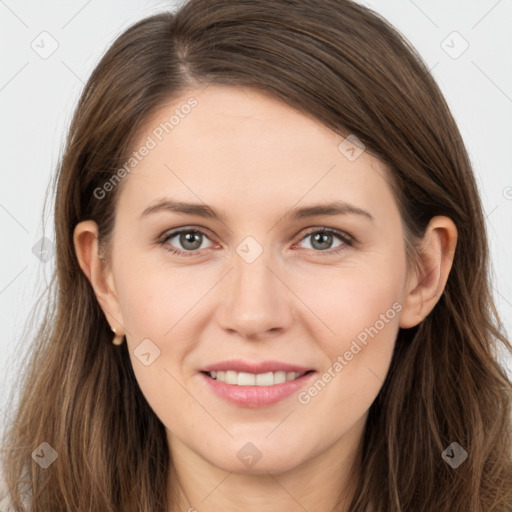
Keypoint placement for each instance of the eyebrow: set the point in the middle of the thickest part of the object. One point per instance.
(203, 210)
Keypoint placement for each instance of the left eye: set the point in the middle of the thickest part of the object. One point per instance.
(322, 239)
(191, 241)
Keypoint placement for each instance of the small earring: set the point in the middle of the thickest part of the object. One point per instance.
(118, 338)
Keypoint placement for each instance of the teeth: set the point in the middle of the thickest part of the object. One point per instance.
(251, 379)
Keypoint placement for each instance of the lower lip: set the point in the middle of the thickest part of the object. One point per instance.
(256, 396)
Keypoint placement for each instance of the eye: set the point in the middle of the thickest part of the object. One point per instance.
(190, 240)
(322, 240)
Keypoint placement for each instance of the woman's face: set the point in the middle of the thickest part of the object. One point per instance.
(254, 282)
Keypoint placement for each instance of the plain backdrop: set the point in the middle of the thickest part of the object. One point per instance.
(48, 50)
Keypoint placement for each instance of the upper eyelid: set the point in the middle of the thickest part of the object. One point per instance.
(173, 232)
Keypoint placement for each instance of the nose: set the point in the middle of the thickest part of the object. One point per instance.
(256, 302)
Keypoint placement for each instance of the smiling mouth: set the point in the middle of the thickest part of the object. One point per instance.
(254, 379)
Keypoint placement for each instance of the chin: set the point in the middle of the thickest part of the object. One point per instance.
(258, 457)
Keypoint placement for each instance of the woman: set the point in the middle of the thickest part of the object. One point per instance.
(271, 283)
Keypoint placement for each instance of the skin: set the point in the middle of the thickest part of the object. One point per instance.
(255, 159)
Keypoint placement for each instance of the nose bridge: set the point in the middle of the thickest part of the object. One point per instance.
(252, 285)
(255, 301)
(252, 277)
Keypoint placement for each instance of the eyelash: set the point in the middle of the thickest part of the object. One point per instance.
(344, 237)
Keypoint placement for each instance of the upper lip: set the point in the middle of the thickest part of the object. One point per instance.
(239, 365)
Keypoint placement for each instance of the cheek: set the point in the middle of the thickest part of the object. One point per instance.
(360, 312)
(160, 312)
(152, 300)
(363, 346)
(348, 302)
(357, 362)
(157, 317)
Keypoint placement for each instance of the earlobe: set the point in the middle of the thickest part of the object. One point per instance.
(426, 284)
(85, 239)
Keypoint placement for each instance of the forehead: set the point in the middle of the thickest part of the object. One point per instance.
(237, 146)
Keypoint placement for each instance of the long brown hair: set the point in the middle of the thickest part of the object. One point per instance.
(347, 67)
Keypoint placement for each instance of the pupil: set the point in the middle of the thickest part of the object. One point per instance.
(190, 238)
(322, 236)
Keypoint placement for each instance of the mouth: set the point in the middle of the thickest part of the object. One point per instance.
(255, 390)
(252, 385)
(255, 379)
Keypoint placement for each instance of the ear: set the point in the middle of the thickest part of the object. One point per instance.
(99, 274)
(426, 284)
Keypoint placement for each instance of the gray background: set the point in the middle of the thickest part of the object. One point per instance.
(39, 89)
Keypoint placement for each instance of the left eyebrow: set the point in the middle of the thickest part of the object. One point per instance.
(203, 210)
(334, 208)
